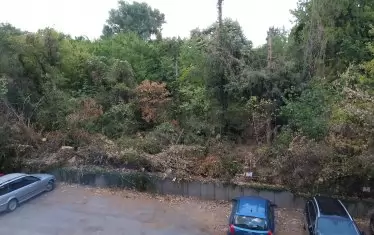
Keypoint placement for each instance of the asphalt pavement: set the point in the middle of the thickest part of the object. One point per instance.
(76, 210)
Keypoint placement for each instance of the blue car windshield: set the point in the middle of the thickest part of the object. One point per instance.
(336, 226)
(249, 222)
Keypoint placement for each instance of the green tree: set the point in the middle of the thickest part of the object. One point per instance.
(333, 34)
(226, 48)
(137, 17)
(144, 57)
(310, 113)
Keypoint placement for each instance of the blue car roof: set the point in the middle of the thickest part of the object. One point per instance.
(252, 206)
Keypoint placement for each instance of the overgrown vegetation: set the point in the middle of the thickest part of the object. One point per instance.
(296, 111)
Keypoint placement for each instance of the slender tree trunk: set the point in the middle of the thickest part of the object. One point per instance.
(219, 6)
(315, 48)
(270, 50)
(269, 108)
(222, 93)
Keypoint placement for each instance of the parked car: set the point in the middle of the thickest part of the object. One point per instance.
(251, 215)
(371, 224)
(328, 216)
(16, 188)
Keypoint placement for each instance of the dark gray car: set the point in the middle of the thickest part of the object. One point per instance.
(16, 188)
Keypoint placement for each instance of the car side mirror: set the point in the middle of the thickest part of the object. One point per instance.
(273, 205)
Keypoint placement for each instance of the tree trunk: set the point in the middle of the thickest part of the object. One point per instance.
(219, 6)
(269, 130)
(222, 93)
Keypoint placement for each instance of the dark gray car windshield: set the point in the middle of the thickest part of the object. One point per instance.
(249, 222)
(336, 226)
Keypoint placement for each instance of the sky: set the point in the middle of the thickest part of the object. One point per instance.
(87, 17)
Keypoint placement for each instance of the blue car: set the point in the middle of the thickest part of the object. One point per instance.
(251, 215)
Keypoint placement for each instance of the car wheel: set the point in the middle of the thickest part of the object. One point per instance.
(12, 205)
(50, 186)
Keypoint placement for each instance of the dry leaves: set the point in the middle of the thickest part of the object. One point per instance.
(153, 96)
(211, 216)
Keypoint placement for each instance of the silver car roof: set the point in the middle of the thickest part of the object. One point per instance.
(9, 177)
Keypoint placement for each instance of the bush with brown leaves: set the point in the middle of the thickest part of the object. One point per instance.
(152, 98)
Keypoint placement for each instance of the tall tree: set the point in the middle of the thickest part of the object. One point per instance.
(222, 97)
(333, 33)
(137, 17)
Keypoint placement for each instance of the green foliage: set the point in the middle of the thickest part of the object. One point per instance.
(133, 160)
(3, 87)
(137, 17)
(153, 142)
(164, 133)
(333, 33)
(158, 139)
(143, 56)
(118, 121)
(193, 62)
(310, 112)
(231, 167)
(147, 144)
(53, 109)
(75, 56)
(284, 139)
(307, 93)
(150, 145)
(193, 100)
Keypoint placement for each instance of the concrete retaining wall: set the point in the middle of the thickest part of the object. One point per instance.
(206, 191)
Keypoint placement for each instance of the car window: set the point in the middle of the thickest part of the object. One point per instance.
(336, 226)
(4, 189)
(22, 182)
(17, 184)
(31, 179)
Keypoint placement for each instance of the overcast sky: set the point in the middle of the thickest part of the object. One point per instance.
(86, 17)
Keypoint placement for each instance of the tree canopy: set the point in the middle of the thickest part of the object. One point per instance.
(302, 103)
(134, 17)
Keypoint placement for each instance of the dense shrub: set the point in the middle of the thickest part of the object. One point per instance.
(165, 133)
(224, 167)
(144, 144)
(134, 160)
(54, 108)
(310, 112)
(153, 97)
(119, 120)
(150, 145)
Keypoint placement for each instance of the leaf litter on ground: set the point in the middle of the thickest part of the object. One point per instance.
(212, 215)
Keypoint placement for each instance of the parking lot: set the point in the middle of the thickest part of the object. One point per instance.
(79, 210)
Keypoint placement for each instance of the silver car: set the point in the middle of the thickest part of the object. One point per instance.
(16, 188)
